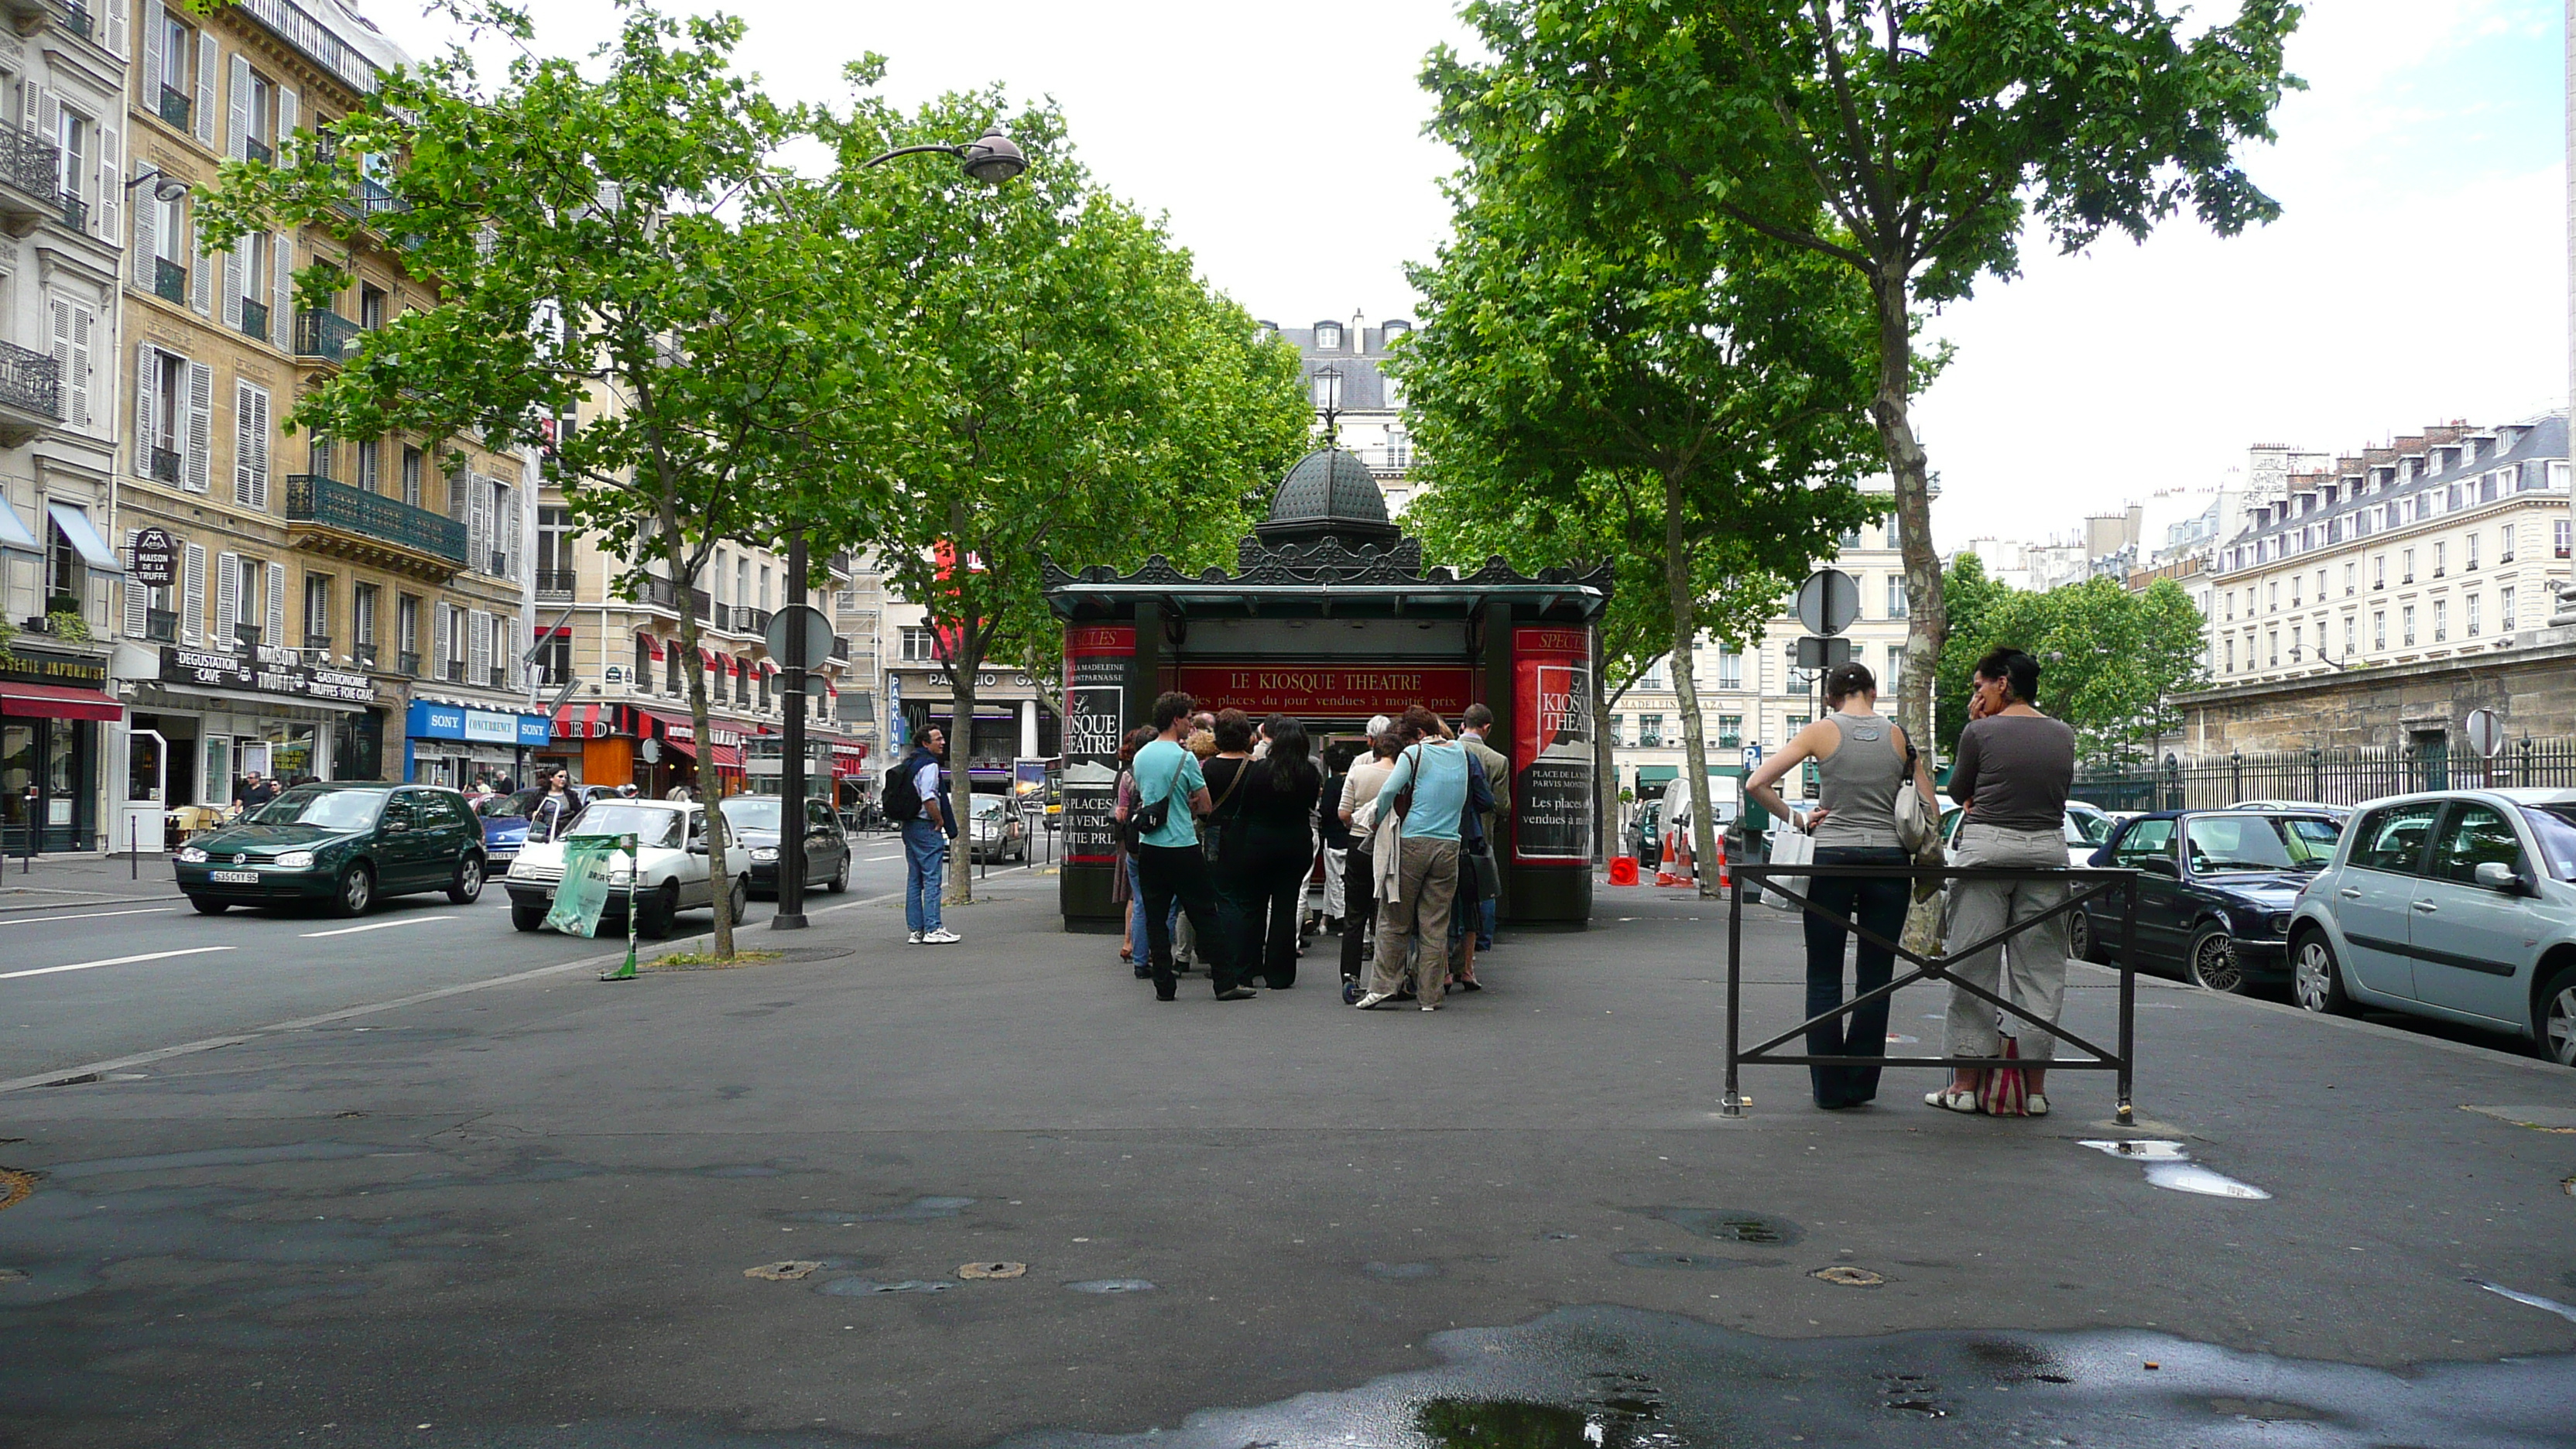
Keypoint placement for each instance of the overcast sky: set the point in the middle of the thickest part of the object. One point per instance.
(2418, 275)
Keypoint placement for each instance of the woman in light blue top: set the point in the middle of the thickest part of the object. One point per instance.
(1416, 902)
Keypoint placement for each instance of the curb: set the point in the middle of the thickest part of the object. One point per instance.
(88, 901)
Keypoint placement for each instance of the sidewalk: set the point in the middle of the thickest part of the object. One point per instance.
(741, 1203)
(83, 879)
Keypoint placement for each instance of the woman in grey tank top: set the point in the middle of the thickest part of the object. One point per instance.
(1861, 762)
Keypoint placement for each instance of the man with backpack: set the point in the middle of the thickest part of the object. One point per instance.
(912, 803)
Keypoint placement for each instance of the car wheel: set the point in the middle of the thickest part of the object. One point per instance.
(468, 885)
(357, 891)
(526, 917)
(209, 906)
(840, 880)
(2316, 982)
(741, 897)
(2211, 962)
(2553, 1020)
(2079, 936)
(654, 913)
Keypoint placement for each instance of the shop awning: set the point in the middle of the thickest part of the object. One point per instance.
(13, 531)
(84, 538)
(1649, 776)
(679, 743)
(728, 757)
(56, 701)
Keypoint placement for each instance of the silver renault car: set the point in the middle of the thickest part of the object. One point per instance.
(2457, 904)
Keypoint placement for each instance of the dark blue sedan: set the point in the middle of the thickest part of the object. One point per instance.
(505, 819)
(2215, 892)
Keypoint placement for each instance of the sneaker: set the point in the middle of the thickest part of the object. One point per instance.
(1240, 993)
(913, 940)
(941, 937)
(1431, 1008)
(1373, 1000)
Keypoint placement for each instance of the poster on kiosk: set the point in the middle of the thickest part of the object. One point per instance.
(1552, 764)
(1095, 718)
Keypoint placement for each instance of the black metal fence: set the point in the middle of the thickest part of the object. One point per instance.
(2342, 775)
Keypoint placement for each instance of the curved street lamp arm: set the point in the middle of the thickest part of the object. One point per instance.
(914, 151)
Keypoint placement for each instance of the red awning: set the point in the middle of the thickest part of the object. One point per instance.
(679, 742)
(652, 642)
(728, 757)
(562, 632)
(577, 722)
(56, 701)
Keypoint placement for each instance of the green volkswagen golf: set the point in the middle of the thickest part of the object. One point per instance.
(341, 844)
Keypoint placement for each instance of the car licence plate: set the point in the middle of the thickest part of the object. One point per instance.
(233, 877)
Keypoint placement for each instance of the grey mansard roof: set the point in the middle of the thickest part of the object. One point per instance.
(2541, 440)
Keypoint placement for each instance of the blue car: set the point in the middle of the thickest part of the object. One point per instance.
(2215, 892)
(505, 818)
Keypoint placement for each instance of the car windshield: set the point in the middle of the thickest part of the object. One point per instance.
(752, 812)
(327, 809)
(2087, 827)
(2220, 844)
(991, 806)
(513, 806)
(2555, 825)
(649, 826)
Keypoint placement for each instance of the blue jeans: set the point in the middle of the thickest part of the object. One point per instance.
(1136, 912)
(925, 861)
(1878, 905)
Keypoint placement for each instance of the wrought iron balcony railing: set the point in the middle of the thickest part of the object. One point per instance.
(326, 334)
(247, 636)
(169, 280)
(75, 212)
(176, 107)
(29, 164)
(555, 583)
(364, 655)
(164, 465)
(254, 319)
(407, 663)
(452, 670)
(161, 626)
(840, 648)
(317, 643)
(257, 150)
(30, 381)
(311, 498)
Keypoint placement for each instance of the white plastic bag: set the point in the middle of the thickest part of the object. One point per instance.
(1789, 846)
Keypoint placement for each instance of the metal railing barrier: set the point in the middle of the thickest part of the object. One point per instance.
(2104, 882)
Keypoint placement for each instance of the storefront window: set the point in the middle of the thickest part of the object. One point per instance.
(142, 767)
(17, 771)
(216, 782)
(290, 750)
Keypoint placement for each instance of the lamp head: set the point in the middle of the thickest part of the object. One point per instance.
(992, 158)
(169, 188)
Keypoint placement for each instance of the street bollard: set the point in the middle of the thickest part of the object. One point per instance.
(133, 851)
(634, 867)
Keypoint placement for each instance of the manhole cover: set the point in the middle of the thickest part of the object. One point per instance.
(786, 1272)
(991, 1270)
(1847, 1276)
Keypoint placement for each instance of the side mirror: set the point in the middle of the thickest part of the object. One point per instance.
(2161, 865)
(2495, 875)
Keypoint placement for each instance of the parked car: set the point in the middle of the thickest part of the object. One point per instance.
(345, 844)
(2295, 807)
(671, 867)
(998, 831)
(751, 821)
(2215, 891)
(505, 817)
(2086, 829)
(2454, 904)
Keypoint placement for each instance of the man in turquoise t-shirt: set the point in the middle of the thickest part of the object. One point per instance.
(1169, 865)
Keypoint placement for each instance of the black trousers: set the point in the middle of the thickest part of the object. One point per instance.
(1172, 873)
(1261, 893)
(1878, 906)
(1359, 908)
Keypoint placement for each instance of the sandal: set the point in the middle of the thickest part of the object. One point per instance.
(2035, 1105)
(1951, 1099)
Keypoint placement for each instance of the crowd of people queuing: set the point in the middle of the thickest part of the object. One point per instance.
(2013, 771)
(1224, 819)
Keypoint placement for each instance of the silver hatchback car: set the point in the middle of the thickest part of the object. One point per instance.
(2458, 904)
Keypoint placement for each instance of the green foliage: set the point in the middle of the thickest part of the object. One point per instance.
(1912, 140)
(2110, 660)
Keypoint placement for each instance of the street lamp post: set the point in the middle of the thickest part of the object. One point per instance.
(991, 158)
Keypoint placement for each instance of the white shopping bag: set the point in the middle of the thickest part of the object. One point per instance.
(1789, 846)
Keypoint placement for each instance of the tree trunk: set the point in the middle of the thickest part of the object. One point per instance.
(710, 784)
(1606, 778)
(961, 789)
(1677, 583)
(1928, 626)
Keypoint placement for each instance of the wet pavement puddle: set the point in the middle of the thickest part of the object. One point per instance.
(1618, 1378)
(2169, 1166)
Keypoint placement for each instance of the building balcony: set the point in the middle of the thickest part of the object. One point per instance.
(363, 655)
(318, 644)
(500, 676)
(254, 321)
(169, 281)
(326, 335)
(177, 108)
(163, 465)
(161, 626)
(31, 180)
(31, 16)
(664, 595)
(556, 583)
(452, 670)
(748, 620)
(408, 664)
(330, 517)
(840, 648)
(369, 202)
(31, 393)
(258, 150)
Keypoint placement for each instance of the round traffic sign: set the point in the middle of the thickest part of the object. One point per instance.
(818, 634)
(2485, 731)
(1828, 601)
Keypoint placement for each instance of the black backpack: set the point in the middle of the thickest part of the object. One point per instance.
(900, 801)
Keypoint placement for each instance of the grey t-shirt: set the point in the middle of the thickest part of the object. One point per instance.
(2017, 768)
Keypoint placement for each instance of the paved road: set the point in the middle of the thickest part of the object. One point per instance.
(523, 1216)
(87, 983)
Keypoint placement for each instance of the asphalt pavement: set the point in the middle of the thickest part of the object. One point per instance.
(994, 1193)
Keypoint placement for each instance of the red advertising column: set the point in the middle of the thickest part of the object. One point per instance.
(1552, 774)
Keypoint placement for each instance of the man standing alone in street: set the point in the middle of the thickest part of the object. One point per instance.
(925, 838)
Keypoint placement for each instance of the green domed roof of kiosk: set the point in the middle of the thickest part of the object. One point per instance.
(1330, 493)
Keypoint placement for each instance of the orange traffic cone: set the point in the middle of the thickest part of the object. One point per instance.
(1725, 877)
